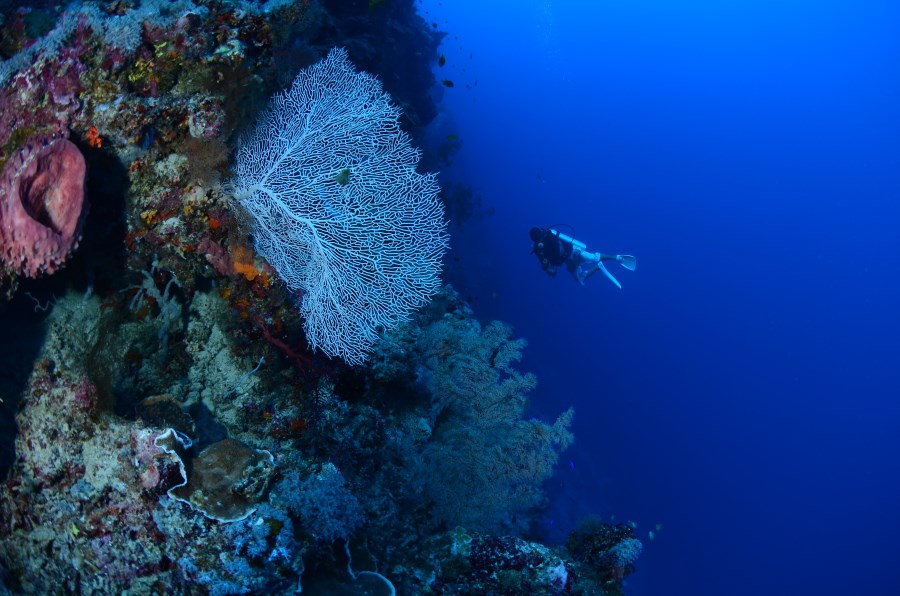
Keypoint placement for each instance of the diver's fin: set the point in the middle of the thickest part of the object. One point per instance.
(608, 274)
(627, 261)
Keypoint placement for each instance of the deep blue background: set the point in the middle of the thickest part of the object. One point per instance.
(743, 389)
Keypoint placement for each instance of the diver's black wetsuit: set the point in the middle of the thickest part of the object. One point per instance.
(549, 249)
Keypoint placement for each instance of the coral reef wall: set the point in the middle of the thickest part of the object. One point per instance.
(164, 424)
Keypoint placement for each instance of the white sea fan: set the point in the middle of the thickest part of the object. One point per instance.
(336, 206)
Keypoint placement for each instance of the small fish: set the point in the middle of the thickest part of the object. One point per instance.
(343, 177)
(452, 137)
(571, 464)
(442, 60)
(447, 83)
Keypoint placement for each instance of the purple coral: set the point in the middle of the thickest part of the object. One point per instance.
(41, 206)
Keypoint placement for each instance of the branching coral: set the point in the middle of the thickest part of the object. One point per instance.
(486, 465)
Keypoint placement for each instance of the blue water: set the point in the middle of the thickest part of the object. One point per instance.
(742, 388)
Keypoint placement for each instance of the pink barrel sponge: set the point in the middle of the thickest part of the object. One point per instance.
(41, 206)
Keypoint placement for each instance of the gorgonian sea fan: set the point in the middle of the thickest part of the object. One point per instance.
(337, 207)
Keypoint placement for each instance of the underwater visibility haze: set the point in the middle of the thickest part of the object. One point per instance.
(741, 389)
(450, 297)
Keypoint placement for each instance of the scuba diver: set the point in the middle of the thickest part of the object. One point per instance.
(553, 248)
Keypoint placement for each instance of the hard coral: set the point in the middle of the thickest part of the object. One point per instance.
(41, 206)
(227, 481)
